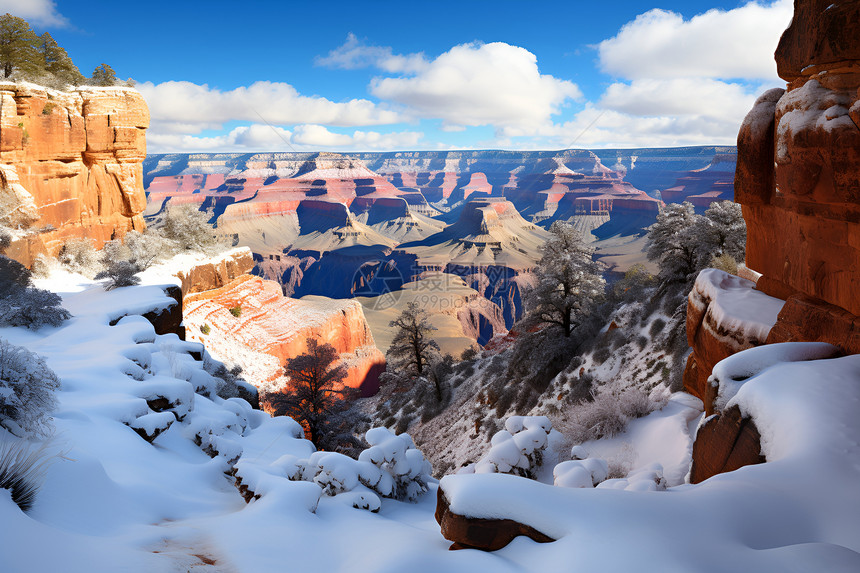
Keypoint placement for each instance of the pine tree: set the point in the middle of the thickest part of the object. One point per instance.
(57, 62)
(569, 282)
(412, 350)
(673, 244)
(312, 399)
(18, 46)
(104, 75)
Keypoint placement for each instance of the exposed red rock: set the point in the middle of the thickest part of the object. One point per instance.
(74, 160)
(822, 33)
(271, 324)
(804, 318)
(476, 533)
(803, 226)
(215, 272)
(724, 443)
(712, 332)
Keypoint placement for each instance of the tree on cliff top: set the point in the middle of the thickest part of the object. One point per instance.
(412, 350)
(57, 62)
(17, 46)
(569, 282)
(104, 76)
(313, 399)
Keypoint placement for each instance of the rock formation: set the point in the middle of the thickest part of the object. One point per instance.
(798, 179)
(265, 329)
(71, 164)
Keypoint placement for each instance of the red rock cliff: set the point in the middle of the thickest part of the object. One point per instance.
(72, 160)
(271, 328)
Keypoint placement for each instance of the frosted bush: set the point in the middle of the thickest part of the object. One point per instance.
(189, 228)
(391, 467)
(32, 308)
(518, 449)
(27, 389)
(80, 256)
(648, 478)
(119, 274)
(612, 407)
(22, 470)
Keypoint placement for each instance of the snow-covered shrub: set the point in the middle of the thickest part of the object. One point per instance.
(27, 389)
(80, 256)
(580, 473)
(230, 382)
(612, 406)
(391, 467)
(145, 249)
(119, 274)
(649, 478)
(188, 228)
(22, 468)
(13, 276)
(32, 308)
(518, 449)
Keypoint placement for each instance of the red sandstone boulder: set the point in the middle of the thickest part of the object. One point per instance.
(725, 442)
(476, 533)
(804, 318)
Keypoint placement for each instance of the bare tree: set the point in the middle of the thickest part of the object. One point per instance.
(313, 398)
(412, 350)
(568, 280)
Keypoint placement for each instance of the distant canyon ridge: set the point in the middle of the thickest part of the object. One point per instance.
(457, 231)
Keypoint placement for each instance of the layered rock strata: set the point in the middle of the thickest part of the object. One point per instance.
(250, 318)
(71, 165)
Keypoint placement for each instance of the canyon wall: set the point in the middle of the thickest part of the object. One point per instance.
(70, 165)
(798, 180)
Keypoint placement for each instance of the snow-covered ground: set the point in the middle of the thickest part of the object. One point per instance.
(113, 502)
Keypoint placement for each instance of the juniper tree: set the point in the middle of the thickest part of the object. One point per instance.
(569, 281)
(412, 350)
(315, 398)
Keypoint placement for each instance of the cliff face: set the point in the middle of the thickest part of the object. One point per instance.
(798, 179)
(72, 160)
(274, 328)
(798, 159)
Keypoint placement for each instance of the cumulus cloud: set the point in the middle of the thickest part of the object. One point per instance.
(680, 96)
(355, 54)
(185, 107)
(737, 43)
(36, 12)
(481, 84)
(260, 137)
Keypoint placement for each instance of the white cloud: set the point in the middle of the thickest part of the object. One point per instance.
(481, 84)
(679, 97)
(354, 54)
(260, 137)
(737, 43)
(185, 107)
(36, 12)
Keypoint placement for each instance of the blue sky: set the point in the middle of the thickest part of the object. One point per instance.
(384, 75)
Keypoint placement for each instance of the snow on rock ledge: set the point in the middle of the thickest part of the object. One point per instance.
(725, 314)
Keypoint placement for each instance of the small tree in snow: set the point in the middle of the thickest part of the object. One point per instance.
(312, 396)
(27, 389)
(120, 274)
(412, 350)
(673, 244)
(568, 280)
(723, 231)
(104, 75)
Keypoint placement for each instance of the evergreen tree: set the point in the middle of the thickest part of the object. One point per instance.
(312, 399)
(569, 282)
(18, 46)
(412, 350)
(57, 62)
(104, 75)
(674, 245)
